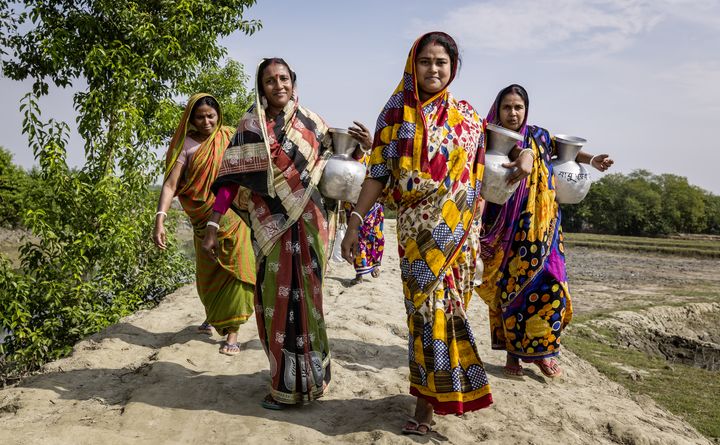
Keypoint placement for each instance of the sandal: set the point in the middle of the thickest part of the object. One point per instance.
(413, 427)
(269, 403)
(230, 349)
(514, 371)
(549, 367)
(376, 272)
(205, 328)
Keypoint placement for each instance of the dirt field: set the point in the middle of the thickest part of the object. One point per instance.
(152, 379)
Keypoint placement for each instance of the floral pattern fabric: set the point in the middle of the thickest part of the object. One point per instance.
(431, 154)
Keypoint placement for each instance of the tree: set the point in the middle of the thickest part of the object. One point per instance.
(93, 262)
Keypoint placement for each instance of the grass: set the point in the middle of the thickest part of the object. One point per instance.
(703, 248)
(684, 390)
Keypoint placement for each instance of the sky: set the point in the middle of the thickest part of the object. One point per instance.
(639, 79)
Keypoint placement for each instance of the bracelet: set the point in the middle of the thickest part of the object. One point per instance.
(362, 219)
(529, 150)
(161, 213)
(592, 159)
(213, 224)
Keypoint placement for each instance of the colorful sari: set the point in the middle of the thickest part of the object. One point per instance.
(225, 286)
(432, 156)
(292, 227)
(525, 282)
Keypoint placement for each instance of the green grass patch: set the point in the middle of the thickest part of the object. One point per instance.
(690, 392)
(673, 246)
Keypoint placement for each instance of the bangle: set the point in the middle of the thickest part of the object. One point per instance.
(160, 213)
(592, 159)
(529, 150)
(213, 224)
(362, 219)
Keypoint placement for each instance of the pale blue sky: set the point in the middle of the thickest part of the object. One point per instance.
(639, 79)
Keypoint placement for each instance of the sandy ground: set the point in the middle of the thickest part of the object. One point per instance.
(152, 379)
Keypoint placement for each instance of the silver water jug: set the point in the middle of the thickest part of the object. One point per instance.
(572, 180)
(343, 176)
(500, 141)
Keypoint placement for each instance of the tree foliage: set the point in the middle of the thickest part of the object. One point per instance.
(15, 184)
(222, 82)
(642, 203)
(92, 262)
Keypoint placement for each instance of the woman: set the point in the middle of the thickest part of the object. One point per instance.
(524, 282)
(428, 160)
(225, 286)
(278, 154)
(371, 241)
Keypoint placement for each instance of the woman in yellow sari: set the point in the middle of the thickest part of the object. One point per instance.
(428, 158)
(192, 162)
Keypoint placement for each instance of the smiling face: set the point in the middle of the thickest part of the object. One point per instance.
(512, 111)
(432, 70)
(277, 86)
(205, 119)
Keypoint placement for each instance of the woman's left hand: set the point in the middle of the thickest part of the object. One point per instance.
(362, 135)
(601, 162)
(349, 245)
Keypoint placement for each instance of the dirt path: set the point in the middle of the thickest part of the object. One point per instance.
(152, 379)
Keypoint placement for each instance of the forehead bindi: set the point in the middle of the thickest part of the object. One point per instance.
(275, 70)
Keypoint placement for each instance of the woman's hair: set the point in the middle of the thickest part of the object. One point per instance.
(513, 89)
(447, 42)
(205, 100)
(266, 63)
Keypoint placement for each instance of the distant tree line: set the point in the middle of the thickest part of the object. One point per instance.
(644, 204)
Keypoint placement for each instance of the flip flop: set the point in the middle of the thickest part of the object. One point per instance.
(546, 366)
(415, 429)
(205, 328)
(269, 403)
(230, 349)
(514, 371)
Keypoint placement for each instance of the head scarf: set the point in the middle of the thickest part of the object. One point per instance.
(178, 139)
(402, 125)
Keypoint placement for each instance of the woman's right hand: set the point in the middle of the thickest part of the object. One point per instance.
(159, 235)
(349, 245)
(210, 243)
(521, 167)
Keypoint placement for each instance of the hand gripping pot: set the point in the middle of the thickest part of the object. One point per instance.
(572, 180)
(343, 176)
(500, 141)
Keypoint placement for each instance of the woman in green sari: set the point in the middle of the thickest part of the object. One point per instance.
(225, 283)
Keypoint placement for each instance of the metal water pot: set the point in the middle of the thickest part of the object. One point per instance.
(572, 180)
(500, 141)
(343, 176)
